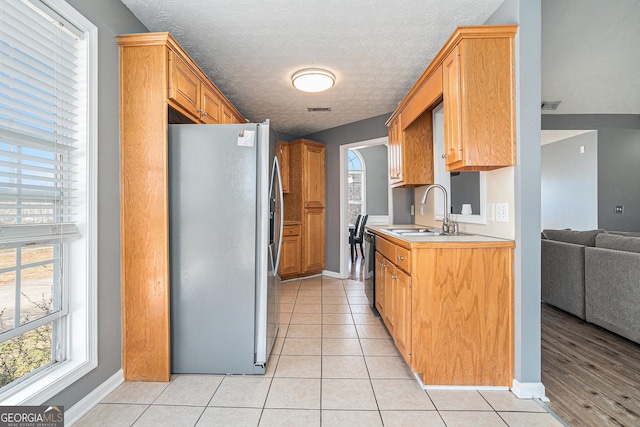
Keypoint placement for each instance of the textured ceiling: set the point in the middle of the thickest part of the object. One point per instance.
(549, 136)
(591, 56)
(376, 48)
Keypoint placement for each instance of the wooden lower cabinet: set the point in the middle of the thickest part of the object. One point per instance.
(291, 250)
(379, 284)
(313, 252)
(393, 293)
(450, 309)
(462, 316)
(401, 289)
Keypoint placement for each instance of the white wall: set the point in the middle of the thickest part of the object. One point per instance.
(570, 183)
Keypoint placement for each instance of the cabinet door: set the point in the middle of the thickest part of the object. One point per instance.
(283, 158)
(290, 256)
(184, 85)
(313, 253)
(402, 313)
(452, 99)
(313, 176)
(379, 284)
(395, 152)
(210, 106)
(227, 116)
(389, 296)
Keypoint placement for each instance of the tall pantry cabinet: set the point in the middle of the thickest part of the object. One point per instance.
(159, 84)
(304, 203)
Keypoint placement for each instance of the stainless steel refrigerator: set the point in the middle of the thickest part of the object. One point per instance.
(225, 231)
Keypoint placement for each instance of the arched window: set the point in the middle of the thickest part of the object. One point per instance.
(356, 185)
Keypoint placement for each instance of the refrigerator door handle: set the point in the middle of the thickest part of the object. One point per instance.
(278, 175)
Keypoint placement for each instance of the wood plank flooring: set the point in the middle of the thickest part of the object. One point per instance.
(591, 376)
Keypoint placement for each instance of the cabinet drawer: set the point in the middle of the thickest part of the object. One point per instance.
(403, 259)
(386, 248)
(291, 230)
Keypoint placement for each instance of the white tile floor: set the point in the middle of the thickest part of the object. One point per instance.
(333, 364)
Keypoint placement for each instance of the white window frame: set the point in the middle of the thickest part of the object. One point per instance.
(81, 326)
(363, 172)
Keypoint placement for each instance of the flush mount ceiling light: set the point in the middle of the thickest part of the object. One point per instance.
(313, 80)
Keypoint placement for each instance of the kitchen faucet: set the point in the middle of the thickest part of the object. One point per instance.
(447, 224)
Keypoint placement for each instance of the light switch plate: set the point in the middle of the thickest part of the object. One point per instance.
(491, 211)
(502, 212)
(413, 210)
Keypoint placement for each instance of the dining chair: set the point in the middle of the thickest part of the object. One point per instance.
(359, 236)
(352, 234)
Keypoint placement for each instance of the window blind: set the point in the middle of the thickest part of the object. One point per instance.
(39, 123)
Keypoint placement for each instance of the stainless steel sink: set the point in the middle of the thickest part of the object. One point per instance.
(415, 231)
(420, 233)
(402, 230)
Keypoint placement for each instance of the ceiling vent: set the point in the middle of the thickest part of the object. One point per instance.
(318, 109)
(550, 105)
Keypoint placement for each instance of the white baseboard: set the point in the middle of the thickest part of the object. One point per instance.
(529, 390)
(332, 274)
(77, 411)
(459, 387)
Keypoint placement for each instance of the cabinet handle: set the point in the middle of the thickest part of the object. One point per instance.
(205, 114)
(291, 230)
(400, 258)
(444, 156)
(394, 277)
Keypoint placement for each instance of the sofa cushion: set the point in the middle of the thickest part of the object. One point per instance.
(618, 242)
(585, 238)
(625, 233)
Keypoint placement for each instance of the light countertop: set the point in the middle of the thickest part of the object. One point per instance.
(448, 240)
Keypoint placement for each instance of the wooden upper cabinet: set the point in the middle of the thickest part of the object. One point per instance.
(313, 176)
(210, 105)
(184, 85)
(395, 152)
(479, 109)
(282, 151)
(230, 117)
(191, 96)
(474, 78)
(451, 106)
(411, 152)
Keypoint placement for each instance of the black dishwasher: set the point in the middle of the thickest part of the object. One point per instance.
(370, 269)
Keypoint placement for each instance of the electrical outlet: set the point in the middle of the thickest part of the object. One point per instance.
(491, 211)
(413, 210)
(422, 210)
(619, 209)
(502, 212)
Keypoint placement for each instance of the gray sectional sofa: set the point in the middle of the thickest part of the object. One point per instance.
(594, 275)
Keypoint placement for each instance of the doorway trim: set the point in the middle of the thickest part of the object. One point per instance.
(344, 202)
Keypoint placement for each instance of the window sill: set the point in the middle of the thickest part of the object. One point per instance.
(35, 391)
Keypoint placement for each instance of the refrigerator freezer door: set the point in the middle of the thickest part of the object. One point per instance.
(215, 247)
(269, 291)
